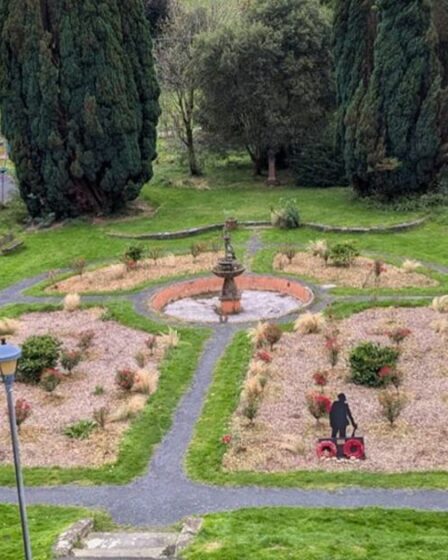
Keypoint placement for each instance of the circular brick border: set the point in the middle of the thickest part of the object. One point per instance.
(212, 285)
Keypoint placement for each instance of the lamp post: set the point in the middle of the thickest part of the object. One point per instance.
(9, 355)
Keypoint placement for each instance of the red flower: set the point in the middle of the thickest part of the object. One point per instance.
(320, 378)
(227, 439)
(23, 411)
(398, 334)
(385, 371)
(354, 449)
(264, 356)
(326, 449)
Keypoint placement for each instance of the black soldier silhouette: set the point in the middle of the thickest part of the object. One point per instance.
(341, 417)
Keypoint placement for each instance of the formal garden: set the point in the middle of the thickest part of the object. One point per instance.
(227, 278)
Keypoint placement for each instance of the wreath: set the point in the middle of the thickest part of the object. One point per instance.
(326, 449)
(354, 449)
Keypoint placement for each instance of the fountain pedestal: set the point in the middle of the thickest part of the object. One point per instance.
(229, 268)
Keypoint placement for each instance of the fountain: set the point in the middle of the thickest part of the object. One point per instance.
(229, 268)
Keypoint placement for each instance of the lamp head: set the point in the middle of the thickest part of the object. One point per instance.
(9, 356)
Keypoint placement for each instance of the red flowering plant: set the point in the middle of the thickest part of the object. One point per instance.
(124, 379)
(226, 439)
(320, 378)
(398, 334)
(23, 411)
(318, 405)
(391, 376)
(50, 379)
(264, 356)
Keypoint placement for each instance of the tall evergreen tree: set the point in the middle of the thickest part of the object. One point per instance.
(79, 102)
(391, 115)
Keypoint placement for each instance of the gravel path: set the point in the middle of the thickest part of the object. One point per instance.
(164, 494)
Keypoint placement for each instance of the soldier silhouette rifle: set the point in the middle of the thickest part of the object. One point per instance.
(341, 417)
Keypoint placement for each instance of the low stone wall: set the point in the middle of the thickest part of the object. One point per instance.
(213, 285)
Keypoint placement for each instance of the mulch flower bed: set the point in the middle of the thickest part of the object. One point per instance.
(43, 443)
(284, 434)
(355, 276)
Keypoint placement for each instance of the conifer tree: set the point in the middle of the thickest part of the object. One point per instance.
(79, 102)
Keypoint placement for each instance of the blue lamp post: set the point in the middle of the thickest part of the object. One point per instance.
(9, 355)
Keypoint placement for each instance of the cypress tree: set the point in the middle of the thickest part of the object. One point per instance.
(390, 122)
(79, 102)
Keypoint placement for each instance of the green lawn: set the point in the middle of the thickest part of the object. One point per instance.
(304, 534)
(206, 451)
(46, 523)
(148, 428)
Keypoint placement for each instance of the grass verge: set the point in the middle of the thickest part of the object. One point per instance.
(206, 451)
(328, 534)
(46, 524)
(147, 430)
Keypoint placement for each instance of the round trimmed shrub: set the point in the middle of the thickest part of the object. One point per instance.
(38, 354)
(366, 361)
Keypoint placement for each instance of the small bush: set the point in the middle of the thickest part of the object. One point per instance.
(320, 378)
(69, 360)
(85, 340)
(250, 410)
(318, 405)
(398, 334)
(23, 411)
(392, 405)
(333, 348)
(151, 343)
(279, 262)
(146, 382)
(440, 304)
(256, 334)
(50, 380)
(287, 215)
(124, 379)
(289, 251)
(140, 359)
(410, 266)
(264, 356)
(310, 323)
(272, 334)
(133, 253)
(343, 254)
(367, 360)
(38, 354)
(253, 388)
(171, 339)
(391, 376)
(195, 250)
(80, 430)
(72, 302)
(440, 326)
(155, 254)
(79, 265)
(116, 271)
(258, 368)
(98, 391)
(101, 416)
(129, 409)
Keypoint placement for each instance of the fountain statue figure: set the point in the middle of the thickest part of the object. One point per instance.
(229, 268)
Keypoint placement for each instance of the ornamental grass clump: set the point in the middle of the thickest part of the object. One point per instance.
(145, 382)
(409, 266)
(289, 251)
(272, 335)
(391, 405)
(171, 339)
(368, 359)
(318, 248)
(38, 354)
(51, 379)
(72, 302)
(440, 304)
(310, 323)
(85, 340)
(70, 359)
(8, 326)
(318, 405)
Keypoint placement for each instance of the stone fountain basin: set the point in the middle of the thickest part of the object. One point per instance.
(209, 287)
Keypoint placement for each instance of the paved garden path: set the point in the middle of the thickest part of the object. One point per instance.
(164, 494)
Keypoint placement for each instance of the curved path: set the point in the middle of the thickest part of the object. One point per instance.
(164, 494)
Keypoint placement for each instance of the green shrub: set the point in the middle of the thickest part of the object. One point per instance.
(368, 359)
(69, 360)
(38, 354)
(287, 215)
(134, 253)
(343, 254)
(80, 430)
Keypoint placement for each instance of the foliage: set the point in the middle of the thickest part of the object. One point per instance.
(154, 253)
(79, 265)
(392, 405)
(250, 409)
(272, 334)
(391, 376)
(98, 391)
(390, 93)
(320, 378)
(8, 326)
(342, 254)
(23, 411)
(38, 354)
(151, 343)
(70, 359)
(80, 430)
(256, 93)
(398, 334)
(264, 356)
(157, 13)
(289, 251)
(286, 216)
(318, 405)
(333, 348)
(101, 416)
(440, 304)
(72, 302)
(367, 360)
(51, 379)
(134, 253)
(310, 323)
(85, 340)
(81, 122)
(124, 379)
(318, 248)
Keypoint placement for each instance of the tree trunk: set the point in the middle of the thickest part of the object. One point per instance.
(195, 169)
(272, 177)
